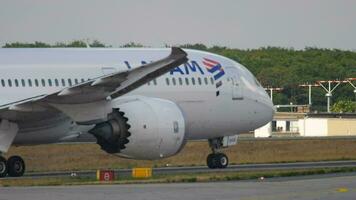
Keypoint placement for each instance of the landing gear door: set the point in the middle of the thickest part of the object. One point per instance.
(8, 131)
(229, 141)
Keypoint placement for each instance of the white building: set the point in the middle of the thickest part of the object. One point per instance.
(329, 124)
(314, 125)
(283, 123)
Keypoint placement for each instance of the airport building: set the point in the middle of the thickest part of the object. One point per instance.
(309, 125)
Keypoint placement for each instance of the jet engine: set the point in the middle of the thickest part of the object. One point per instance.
(142, 128)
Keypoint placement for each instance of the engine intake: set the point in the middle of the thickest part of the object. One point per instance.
(142, 128)
(113, 134)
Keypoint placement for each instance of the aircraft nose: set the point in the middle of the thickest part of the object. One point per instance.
(270, 104)
(268, 108)
(271, 108)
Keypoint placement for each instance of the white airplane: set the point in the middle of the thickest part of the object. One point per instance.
(138, 103)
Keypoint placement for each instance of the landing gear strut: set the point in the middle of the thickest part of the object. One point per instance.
(216, 159)
(14, 166)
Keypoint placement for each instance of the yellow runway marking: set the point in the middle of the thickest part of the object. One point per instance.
(342, 190)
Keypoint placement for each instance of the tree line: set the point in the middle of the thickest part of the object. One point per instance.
(273, 67)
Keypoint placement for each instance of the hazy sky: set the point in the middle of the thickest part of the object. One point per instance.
(232, 23)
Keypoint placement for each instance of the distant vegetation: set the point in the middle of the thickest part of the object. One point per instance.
(73, 44)
(273, 67)
(344, 106)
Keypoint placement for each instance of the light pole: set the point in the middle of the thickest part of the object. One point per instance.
(270, 89)
(350, 80)
(329, 88)
(310, 90)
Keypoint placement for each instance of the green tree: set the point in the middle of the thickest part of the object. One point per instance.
(273, 66)
(132, 44)
(26, 45)
(77, 44)
(72, 44)
(344, 106)
(197, 46)
(97, 43)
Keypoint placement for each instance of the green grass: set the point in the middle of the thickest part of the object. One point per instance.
(72, 157)
(174, 178)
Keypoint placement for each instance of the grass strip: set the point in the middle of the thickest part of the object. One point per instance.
(173, 178)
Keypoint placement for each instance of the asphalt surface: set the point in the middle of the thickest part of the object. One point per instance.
(203, 169)
(324, 187)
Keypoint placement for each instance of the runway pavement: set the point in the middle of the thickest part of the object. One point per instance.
(202, 169)
(324, 187)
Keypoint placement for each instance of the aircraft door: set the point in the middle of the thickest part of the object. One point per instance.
(236, 86)
(237, 93)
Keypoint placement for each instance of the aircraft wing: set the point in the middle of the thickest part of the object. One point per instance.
(97, 89)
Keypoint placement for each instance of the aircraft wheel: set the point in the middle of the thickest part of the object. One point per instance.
(3, 167)
(222, 160)
(211, 161)
(15, 166)
(218, 160)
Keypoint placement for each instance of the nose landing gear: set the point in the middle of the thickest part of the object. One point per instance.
(216, 159)
(14, 166)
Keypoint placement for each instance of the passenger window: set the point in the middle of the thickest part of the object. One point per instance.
(148, 83)
(174, 81)
(9, 83)
(199, 80)
(43, 82)
(16, 83)
(167, 81)
(69, 82)
(29, 82)
(49, 82)
(180, 81)
(36, 83)
(23, 83)
(83, 80)
(76, 81)
(212, 80)
(3, 82)
(56, 82)
(154, 81)
(187, 81)
(206, 80)
(63, 82)
(193, 80)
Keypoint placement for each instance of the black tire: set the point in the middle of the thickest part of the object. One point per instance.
(222, 160)
(15, 166)
(3, 167)
(210, 161)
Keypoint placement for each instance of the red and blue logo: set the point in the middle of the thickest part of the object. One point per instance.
(216, 70)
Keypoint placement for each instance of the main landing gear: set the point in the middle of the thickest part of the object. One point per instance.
(14, 166)
(216, 159)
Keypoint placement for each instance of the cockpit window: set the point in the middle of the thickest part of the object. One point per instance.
(257, 83)
(251, 78)
(248, 77)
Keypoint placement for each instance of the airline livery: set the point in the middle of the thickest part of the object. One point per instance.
(136, 103)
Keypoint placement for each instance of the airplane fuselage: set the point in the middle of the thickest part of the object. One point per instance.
(217, 96)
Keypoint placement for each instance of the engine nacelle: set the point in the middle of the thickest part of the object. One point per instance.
(142, 128)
